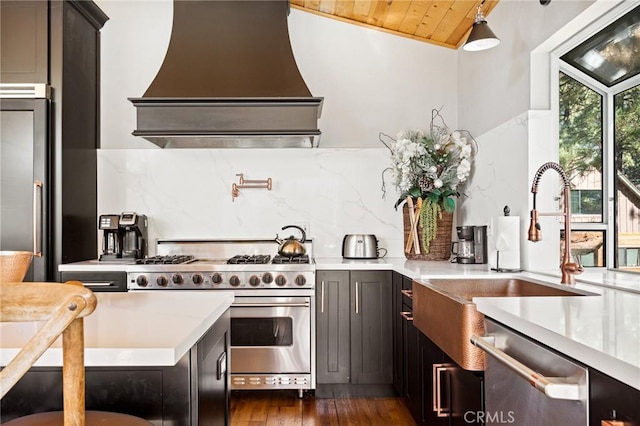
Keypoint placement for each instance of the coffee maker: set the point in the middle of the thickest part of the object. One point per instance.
(124, 236)
(471, 244)
(109, 224)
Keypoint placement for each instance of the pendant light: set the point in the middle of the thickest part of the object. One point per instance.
(481, 36)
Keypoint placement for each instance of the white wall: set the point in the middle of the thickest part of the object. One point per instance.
(372, 82)
(494, 85)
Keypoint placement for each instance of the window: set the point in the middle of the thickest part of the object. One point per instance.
(599, 144)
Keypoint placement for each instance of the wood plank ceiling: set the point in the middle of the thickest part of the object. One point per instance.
(442, 22)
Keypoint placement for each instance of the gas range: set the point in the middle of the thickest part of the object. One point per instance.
(222, 264)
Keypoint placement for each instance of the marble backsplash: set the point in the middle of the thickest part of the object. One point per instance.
(187, 193)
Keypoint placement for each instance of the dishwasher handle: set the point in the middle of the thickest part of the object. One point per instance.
(552, 387)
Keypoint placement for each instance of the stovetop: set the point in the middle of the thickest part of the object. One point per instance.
(198, 264)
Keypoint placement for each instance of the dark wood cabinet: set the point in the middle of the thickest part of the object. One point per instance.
(333, 332)
(24, 35)
(435, 389)
(54, 43)
(397, 322)
(610, 399)
(371, 330)
(353, 330)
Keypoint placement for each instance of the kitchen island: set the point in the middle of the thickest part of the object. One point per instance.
(157, 355)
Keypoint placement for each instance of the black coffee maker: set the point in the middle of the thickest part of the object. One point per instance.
(124, 236)
(471, 244)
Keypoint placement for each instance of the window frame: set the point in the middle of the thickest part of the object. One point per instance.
(609, 202)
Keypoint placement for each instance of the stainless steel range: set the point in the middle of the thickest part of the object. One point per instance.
(273, 314)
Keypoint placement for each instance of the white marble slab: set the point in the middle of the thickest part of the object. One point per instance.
(132, 329)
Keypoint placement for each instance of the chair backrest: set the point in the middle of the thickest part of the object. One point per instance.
(62, 307)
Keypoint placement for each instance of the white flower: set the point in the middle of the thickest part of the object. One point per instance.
(463, 170)
(433, 169)
(465, 151)
(437, 183)
(437, 147)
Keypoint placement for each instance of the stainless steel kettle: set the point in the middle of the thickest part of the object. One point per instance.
(292, 247)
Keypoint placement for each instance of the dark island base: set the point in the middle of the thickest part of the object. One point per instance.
(161, 395)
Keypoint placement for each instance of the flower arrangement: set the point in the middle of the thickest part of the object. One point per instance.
(430, 166)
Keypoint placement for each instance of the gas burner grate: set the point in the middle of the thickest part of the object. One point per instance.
(165, 260)
(247, 259)
(294, 260)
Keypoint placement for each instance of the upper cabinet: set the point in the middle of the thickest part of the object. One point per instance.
(24, 27)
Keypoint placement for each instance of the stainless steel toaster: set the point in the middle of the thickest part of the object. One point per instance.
(360, 246)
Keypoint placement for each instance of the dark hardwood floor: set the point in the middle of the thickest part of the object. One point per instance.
(254, 408)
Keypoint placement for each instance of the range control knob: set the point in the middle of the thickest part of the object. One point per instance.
(177, 279)
(197, 279)
(254, 281)
(281, 280)
(216, 278)
(162, 281)
(142, 281)
(234, 281)
(301, 280)
(267, 278)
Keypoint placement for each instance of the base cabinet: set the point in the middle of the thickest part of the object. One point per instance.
(436, 390)
(610, 399)
(353, 327)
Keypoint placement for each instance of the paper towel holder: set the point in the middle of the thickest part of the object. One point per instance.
(499, 269)
(507, 211)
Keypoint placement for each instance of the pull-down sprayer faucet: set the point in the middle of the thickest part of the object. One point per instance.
(568, 268)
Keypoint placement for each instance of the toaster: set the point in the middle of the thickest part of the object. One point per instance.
(360, 246)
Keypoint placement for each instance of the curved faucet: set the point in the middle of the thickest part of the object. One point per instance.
(568, 268)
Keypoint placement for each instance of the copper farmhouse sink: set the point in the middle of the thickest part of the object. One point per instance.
(444, 311)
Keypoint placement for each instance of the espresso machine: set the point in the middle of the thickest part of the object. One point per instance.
(124, 236)
(471, 244)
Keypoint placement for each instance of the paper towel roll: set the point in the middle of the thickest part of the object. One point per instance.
(506, 233)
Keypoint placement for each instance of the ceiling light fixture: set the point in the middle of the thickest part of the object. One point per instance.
(481, 36)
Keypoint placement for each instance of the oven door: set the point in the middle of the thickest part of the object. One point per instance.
(271, 335)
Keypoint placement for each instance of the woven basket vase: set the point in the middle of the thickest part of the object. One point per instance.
(14, 265)
(440, 248)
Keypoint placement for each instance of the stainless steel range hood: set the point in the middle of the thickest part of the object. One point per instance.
(229, 80)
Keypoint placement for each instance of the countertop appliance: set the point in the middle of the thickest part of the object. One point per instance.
(361, 246)
(272, 316)
(529, 385)
(124, 236)
(471, 246)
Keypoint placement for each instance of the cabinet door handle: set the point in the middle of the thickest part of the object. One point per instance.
(357, 301)
(37, 188)
(558, 388)
(438, 369)
(407, 315)
(221, 366)
(322, 297)
(408, 293)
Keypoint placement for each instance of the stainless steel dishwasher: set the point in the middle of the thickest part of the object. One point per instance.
(527, 384)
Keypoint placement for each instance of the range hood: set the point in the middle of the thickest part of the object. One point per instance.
(229, 80)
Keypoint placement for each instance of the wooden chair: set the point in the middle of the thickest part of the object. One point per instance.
(62, 307)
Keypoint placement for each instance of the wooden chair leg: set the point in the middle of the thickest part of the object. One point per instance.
(73, 380)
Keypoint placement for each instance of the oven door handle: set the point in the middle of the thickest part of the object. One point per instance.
(272, 305)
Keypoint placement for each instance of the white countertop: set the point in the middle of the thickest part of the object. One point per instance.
(132, 329)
